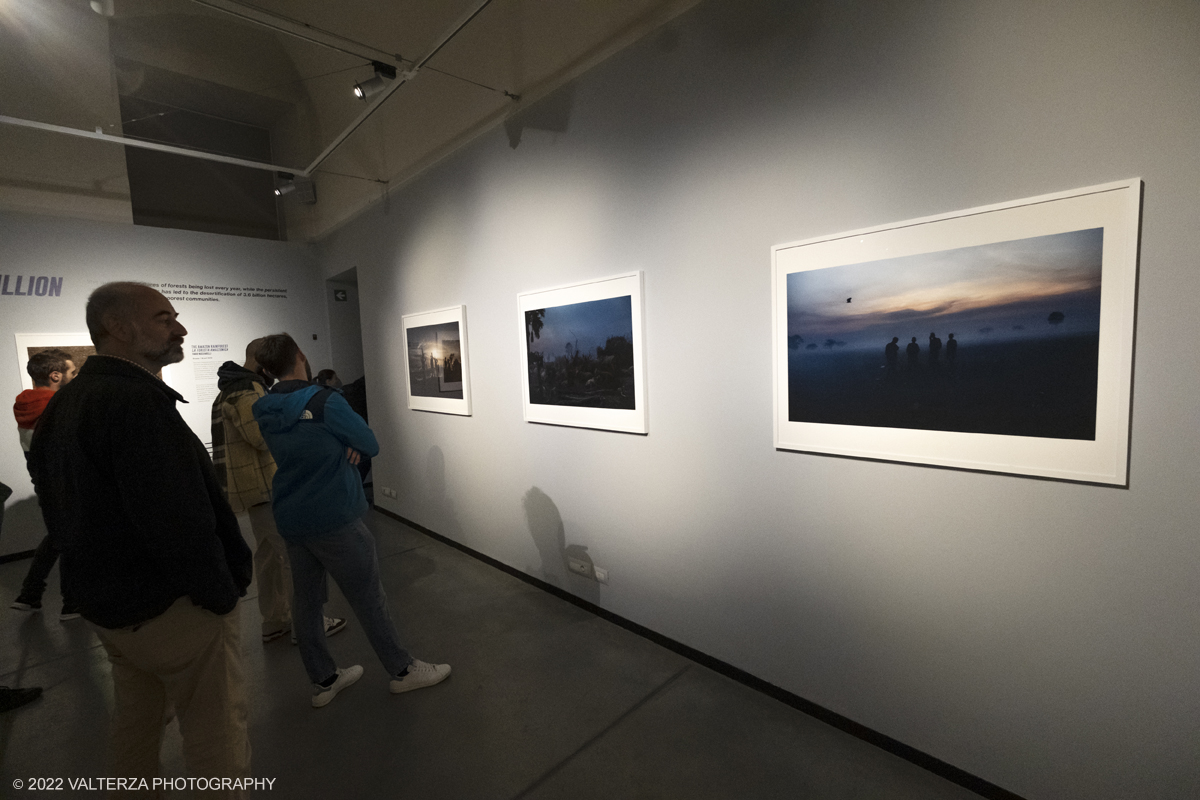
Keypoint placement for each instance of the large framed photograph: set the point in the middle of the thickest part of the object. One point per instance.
(438, 375)
(997, 338)
(583, 355)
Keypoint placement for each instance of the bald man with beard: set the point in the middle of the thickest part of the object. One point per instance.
(151, 550)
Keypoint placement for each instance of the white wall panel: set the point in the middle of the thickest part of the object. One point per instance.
(1041, 635)
(87, 254)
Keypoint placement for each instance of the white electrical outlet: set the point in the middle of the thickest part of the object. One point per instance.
(579, 567)
(388, 492)
(601, 574)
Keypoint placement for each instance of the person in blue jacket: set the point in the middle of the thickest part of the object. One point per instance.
(317, 441)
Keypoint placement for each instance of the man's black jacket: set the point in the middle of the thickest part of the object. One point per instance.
(131, 500)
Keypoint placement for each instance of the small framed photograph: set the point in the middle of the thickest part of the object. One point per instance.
(438, 375)
(78, 345)
(583, 355)
(997, 338)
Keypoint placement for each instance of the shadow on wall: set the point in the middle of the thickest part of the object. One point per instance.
(549, 534)
(437, 509)
(22, 527)
(5, 493)
(551, 113)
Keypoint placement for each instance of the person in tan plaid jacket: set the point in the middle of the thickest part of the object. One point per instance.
(246, 470)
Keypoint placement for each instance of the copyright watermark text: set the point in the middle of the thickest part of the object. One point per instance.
(143, 784)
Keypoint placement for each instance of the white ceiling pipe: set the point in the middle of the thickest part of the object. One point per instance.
(162, 148)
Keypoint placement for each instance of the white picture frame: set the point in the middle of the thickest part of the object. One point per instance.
(432, 379)
(806, 393)
(579, 374)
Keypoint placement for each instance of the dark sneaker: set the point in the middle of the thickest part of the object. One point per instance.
(15, 698)
(27, 602)
(323, 695)
(69, 611)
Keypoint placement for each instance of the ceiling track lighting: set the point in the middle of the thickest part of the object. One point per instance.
(384, 74)
(304, 189)
(285, 182)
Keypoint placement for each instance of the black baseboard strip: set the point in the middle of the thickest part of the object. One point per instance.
(17, 556)
(897, 748)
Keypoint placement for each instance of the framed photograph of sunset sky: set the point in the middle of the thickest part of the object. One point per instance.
(997, 338)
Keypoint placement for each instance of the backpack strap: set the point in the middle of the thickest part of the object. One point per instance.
(314, 409)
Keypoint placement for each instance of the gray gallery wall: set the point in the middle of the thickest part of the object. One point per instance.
(1041, 635)
(86, 254)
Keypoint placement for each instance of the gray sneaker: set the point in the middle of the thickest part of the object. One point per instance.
(323, 695)
(419, 675)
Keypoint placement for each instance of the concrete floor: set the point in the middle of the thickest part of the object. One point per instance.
(546, 701)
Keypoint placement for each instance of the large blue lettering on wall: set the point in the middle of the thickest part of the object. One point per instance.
(30, 286)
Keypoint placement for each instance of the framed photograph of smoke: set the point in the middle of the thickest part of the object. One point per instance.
(997, 338)
(438, 375)
(77, 345)
(583, 355)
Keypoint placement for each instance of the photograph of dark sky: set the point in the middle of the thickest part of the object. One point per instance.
(581, 354)
(1006, 339)
(1005, 290)
(585, 326)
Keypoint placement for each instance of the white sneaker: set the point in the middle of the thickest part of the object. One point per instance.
(332, 625)
(419, 676)
(323, 696)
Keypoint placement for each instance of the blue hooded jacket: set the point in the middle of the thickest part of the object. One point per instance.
(308, 429)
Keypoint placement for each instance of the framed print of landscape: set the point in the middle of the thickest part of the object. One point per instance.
(438, 375)
(997, 338)
(583, 355)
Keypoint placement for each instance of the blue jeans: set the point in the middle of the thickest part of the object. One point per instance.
(348, 554)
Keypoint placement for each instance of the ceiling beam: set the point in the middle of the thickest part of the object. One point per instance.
(162, 148)
(301, 30)
(401, 79)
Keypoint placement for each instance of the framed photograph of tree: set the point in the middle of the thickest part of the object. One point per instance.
(583, 355)
(438, 375)
(997, 338)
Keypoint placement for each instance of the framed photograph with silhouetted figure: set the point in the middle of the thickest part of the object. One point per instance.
(996, 338)
(438, 373)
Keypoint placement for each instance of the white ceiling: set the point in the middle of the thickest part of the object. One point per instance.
(64, 64)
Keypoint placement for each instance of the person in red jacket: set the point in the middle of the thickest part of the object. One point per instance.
(51, 370)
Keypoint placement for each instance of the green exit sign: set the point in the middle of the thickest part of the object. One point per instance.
(339, 295)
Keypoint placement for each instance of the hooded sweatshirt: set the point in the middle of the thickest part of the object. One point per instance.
(308, 428)
(28, 410)
(240, 455)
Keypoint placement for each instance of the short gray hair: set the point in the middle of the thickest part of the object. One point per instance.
(117, 298)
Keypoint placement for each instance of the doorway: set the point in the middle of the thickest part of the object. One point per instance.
(346, 350)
